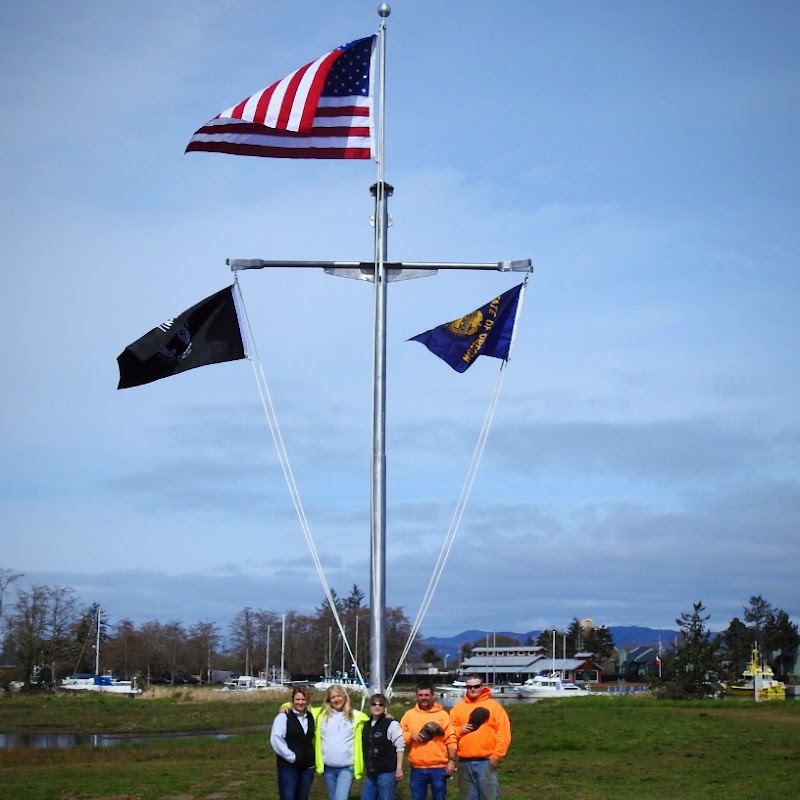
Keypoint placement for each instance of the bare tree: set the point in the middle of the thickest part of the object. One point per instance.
(124, 651)
(202, 641)
(7, 577)
(243, 637)
(59, 626)
(155, 647)
(41, 628)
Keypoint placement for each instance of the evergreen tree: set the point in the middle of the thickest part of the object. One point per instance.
(545, 639)
(696, 662)
(758, 614)
(737, 642)
(599, 641)
(781, 636)
(575, 637)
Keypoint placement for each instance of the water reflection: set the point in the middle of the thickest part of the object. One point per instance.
(45, 741)
(449, 700)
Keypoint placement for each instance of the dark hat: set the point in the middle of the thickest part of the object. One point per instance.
(430, 730)
(478, 716)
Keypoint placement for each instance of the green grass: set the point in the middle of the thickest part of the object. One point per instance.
(576, 749)
(178, 710)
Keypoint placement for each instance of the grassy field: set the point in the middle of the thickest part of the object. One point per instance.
(576, 749)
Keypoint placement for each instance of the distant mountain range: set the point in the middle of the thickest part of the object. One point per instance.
(625, 636)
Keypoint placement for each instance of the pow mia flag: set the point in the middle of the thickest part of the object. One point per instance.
(207, 333)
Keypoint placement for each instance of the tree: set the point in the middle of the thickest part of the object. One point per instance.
(758, 614)
(7, 577)
(575, 636)
(770, 629)
(737, 642)
(124, 651)
(599, 641)
(243, 638)
(154, 639)
(398, 629)
(352, 603)
(696, 662)
(85, 637)
(306, 647)
(583, 638)
(781, 635)
(174, 645)
(41, 629)
(430, 656)
(547, 638)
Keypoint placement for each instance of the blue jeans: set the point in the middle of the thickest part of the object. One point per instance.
(421, 779)
(477, 780)
(380, 786)
(338, 781)
(294, 784)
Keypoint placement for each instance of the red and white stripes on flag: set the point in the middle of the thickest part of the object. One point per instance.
(322, 110)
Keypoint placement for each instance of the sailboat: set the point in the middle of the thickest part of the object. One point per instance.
(85, 682)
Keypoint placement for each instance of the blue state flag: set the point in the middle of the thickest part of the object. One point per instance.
(487, 331)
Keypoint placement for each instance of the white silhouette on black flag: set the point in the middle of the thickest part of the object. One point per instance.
(206, 333)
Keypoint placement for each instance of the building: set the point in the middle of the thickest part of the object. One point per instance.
(516, 664)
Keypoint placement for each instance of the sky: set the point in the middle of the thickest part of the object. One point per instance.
(645, 451)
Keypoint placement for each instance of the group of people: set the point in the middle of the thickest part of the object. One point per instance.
(343, 744)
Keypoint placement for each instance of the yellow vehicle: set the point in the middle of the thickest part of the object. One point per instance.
(758, 682)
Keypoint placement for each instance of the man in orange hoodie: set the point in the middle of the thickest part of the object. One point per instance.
(431, 742)
(483, 731)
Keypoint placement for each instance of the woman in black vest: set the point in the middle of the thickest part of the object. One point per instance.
(292, 739)
(383, 744)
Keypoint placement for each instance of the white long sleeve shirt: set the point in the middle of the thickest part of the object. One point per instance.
(277, 737)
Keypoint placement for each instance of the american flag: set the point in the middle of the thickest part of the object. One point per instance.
(322, 110)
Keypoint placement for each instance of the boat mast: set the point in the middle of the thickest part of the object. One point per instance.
(97, 644)
(266, 656)
(283, 647)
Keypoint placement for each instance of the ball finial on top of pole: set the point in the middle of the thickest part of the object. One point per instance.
(384, 9)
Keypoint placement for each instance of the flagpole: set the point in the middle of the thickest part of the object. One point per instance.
(377, 638)
(381, 272)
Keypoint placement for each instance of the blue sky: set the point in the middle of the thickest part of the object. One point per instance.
(645, 453)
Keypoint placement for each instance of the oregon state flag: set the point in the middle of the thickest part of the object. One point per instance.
(487, 331)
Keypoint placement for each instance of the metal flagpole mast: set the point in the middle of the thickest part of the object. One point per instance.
(377, 628)
(381, 271)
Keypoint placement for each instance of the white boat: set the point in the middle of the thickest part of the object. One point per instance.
(541, 686)
(249, 683)
(346, 683)
(506, 689)
(454, 689)
(551, 684)
(99, 683)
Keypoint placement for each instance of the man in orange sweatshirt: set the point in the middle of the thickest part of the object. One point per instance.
(431, 742)
(483, 731)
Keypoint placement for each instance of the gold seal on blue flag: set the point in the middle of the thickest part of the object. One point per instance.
(487, 331)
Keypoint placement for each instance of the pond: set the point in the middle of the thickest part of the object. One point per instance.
(46, 741)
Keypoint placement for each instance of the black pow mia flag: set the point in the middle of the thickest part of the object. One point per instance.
(207, 333)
